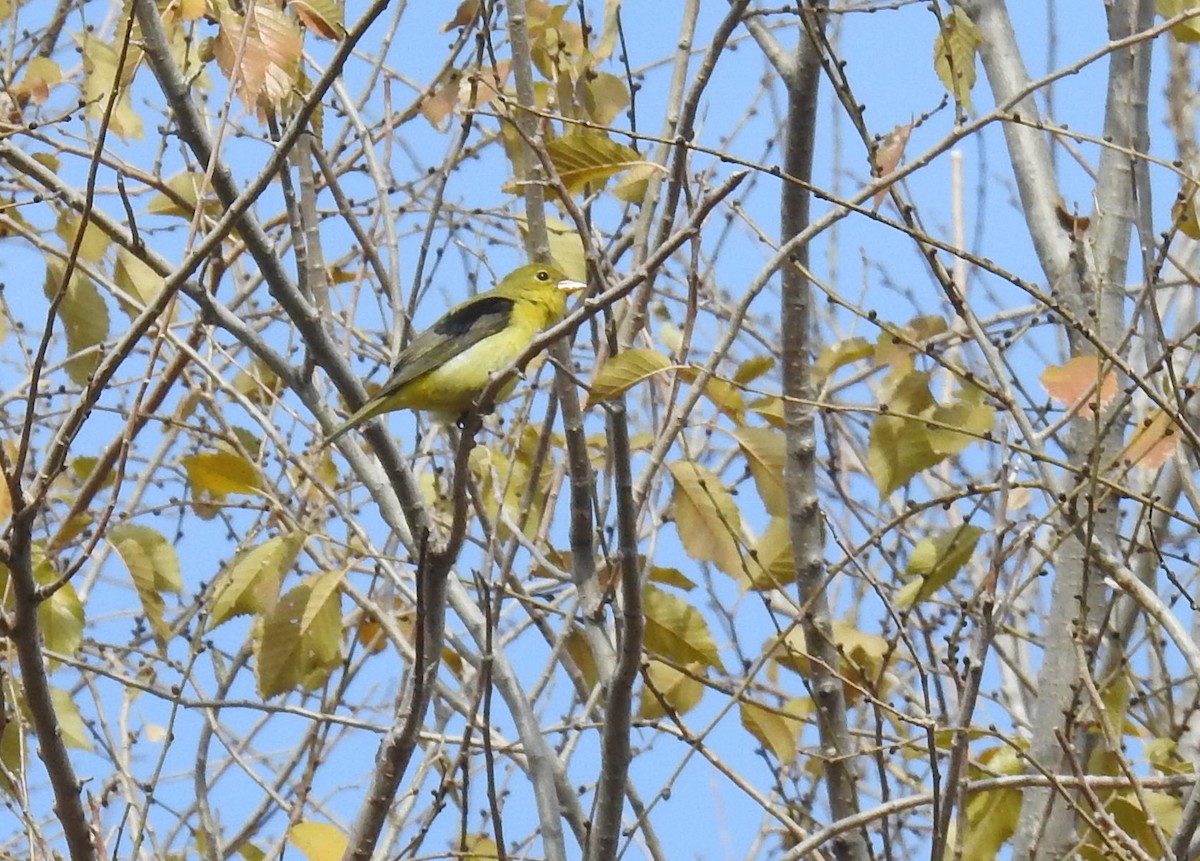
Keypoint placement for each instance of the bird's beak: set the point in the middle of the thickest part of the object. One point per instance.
(571, 287)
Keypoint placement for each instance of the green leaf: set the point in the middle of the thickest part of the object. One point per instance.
(154, 567)
(70, 722)
(84, 317)
(973, 420)
(250, 583)
(61, 620)
(935, 560)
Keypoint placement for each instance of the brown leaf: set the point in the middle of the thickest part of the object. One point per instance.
(1077, 385)
(268, 65)
(888, 154)
(1153, 442)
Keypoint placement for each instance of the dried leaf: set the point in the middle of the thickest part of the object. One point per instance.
(259, 53)
(887, 155)
(1077, 385)
(1153, 442)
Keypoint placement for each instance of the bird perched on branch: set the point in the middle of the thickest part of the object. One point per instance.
(446, 367)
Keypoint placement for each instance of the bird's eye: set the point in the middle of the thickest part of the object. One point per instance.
(543, 275)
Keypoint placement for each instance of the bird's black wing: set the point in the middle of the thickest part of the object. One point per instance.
(457, 331)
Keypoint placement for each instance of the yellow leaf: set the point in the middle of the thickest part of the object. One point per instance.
(632, 187)
(671, 577)
(1183, 211)
(95, 241)
(954, 52)
(625, 370)
(677, 630)
(777, 729)
(724, 395)
(102, 78)
(971, 420)
(319, 841)
(5, 503)
(887, 155)
(861, 661)
(1187, 30)
(220, 473)
(706, 518)
(603, 96)
(898, 346)
(898, 449)
(154, 567)
(665, 684)
(769, 408)
(753, 368)
(991, 821)
(837, 355)
(261, 385)
(300, 641)
(565, 246)
(437, 106)
(584, 160)
(140, 284)
(776, 565)
(191, 10)
(463, 15)
(1153, 442)
(182, 192)
(323, 17)
(41, 75)
(478, 847)
(581, 654)
(61, 619)
(765, 452)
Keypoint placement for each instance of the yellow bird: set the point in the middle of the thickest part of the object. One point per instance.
(446, 367)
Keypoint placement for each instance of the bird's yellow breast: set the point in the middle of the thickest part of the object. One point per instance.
(453, 386)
